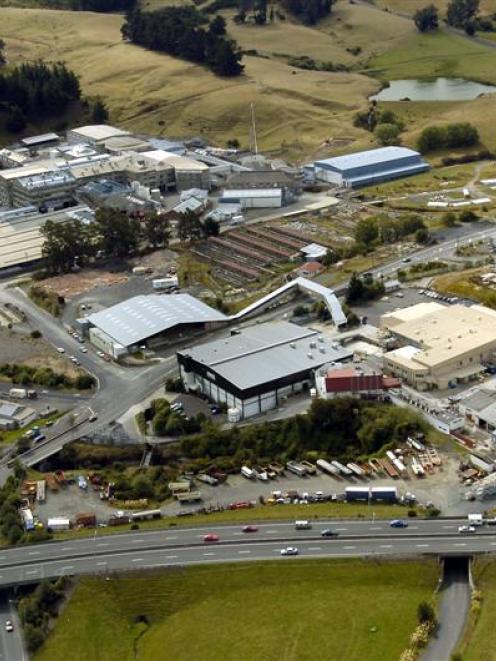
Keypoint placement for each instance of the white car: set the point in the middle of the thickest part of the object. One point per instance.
(61, 349)
(9, 626)
(466, 529)
(83, 349)
(289, 550)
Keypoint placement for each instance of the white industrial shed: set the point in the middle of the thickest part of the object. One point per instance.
(146, 320)
(256, 368)
(370, 167)
(254, 198)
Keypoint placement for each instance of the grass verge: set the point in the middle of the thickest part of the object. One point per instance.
(308, 609)
(479, 639)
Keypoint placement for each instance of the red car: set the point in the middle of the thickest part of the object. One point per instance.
(250, 529)
(211, 538)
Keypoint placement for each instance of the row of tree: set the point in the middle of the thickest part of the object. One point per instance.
(460, 14)
(36, 91)
(187, 33)
(309, 11)
(381, 229)
(343, 428)
(450, 136)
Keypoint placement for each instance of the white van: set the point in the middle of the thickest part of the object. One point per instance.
(303, 525)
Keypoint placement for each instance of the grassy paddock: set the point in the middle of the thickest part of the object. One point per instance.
(308, 609)
(461, 284)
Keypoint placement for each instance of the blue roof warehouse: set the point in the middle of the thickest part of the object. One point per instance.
(374, 166)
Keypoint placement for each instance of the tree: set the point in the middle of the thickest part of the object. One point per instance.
(366, 231)
(142, 487)
(115, 233)
(65, 244)
(211, 227)
(449, 219)
(387, 134)
(425, 613)
(99, 112)
(189, 227)
(430, 139)
(3, 59)
(355, 289)
(218, 26)
(426, 19)
(34, 637)
(460, 12)
(16, 121)
(467, 216)
(156, 229)
(422, 235)
(226, 59)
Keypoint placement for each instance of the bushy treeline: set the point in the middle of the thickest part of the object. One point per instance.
(343, 428)
(450, 136)
(36, 90)
(89, 5)
(37, 609)
(25, 375)
(309, 11)
(187, 33)
(382, 229)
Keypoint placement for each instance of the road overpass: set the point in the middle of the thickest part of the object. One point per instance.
(178, 546)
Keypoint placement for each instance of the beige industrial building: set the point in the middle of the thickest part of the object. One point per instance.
(52, 182)
(440, 346)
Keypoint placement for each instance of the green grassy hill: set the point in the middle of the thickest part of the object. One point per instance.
(304, 610)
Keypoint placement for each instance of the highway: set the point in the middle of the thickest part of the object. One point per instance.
(184, 546)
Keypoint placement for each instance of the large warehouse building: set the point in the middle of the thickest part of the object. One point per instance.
(441, 346)
(365, 168)
(149, 320)
(255, 369)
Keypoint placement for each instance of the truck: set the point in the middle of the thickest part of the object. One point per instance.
(296, 468)
(303, 525)
(247, 472)
(357, 493)
(22, 393)
(328, 468)
(384, 494)
(260, 474)
(475, 519)
(160, 284)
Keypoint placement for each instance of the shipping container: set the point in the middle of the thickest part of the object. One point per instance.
(384, 494)
(357, 493)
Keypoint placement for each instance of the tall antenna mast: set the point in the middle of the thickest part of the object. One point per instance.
(254, 129)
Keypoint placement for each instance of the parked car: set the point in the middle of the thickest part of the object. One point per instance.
(83, 349)
(9, 626)
(398, 523)
(289, 550)
(250, 529)
(211, 537)
(61, 349)
(467, 530)
(328, 533)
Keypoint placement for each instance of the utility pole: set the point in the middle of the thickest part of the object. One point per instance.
(253, 141)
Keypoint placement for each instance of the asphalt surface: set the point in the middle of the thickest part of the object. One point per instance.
(183, 546)
(453, 610)
(11, 642)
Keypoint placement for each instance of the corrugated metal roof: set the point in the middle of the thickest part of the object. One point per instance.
(138, 318)
(267, 352)
(251, 192)
(368, 157)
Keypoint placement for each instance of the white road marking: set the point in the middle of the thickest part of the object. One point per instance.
(315, 548)
(386, 546)
(170, 557)
(349, 548)
(271, 532)
(34, 553)
(413, 527)
(66, 548)
(209, 554)
(375, 527)
(138, 541)
(103, 544)
(100, 564)
(238, 533)
(137, 560)
(167, 539)
(459, 545)
(32, 571)
(240, 552)
(341, 529)
(448, 527)
(421, 546)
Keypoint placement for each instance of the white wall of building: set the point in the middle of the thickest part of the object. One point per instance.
(329, 176)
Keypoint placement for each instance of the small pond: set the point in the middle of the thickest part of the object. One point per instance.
(439, 89)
